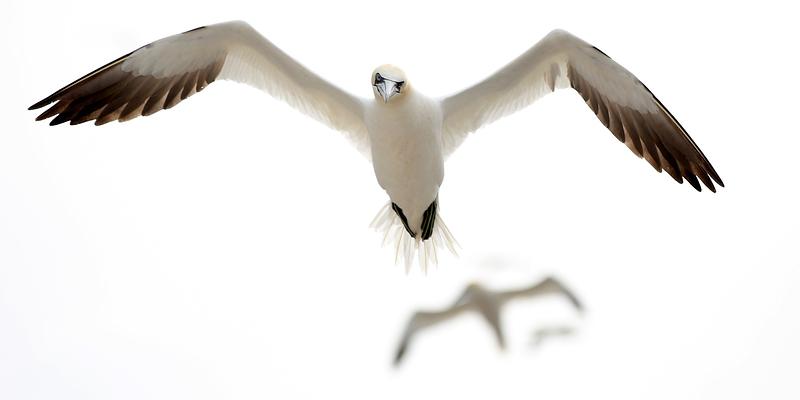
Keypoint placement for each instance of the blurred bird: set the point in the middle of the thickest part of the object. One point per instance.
(485, 302)
(406, 134)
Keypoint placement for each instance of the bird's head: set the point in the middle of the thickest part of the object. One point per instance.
(389, 83)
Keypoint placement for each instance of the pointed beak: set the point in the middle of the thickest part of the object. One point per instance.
(386, 89)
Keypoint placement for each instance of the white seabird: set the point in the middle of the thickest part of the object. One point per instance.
(406, 134)
(488, 304)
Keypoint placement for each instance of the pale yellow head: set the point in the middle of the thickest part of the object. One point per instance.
(389, 83)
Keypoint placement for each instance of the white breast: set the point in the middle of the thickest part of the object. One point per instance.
(405, 138)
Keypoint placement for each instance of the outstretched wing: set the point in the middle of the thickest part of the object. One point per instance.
(163, 73)
(549, 285)
(474, 298)
(624, 104)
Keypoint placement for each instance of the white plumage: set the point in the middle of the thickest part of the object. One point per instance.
(406, 134)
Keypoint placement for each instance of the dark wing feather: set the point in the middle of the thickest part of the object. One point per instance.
(655, 136)
(621, 102)
(163, 73)
(109, 93)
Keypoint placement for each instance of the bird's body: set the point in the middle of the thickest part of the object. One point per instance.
(405, 140)
(406, 134)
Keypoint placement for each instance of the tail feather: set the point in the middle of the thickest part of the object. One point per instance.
(394, 232)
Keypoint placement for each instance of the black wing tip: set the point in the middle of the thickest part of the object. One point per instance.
(57, 121)
(56, 96)
(710, 169)
(693, 181)
(398, 358)
(716, 178)
(566, 292)
(711, 187)
(710, 172)
(40, 104)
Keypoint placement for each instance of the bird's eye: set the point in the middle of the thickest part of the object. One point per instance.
(378, 79)
(399, 86)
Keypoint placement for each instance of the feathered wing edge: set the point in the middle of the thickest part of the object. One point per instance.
(407, 248)
(165, 72)
(620, 100)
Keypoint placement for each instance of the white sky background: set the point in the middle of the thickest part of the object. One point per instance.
(221, 249)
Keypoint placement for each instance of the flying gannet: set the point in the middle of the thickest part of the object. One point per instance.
(405, 133)
(488, 304)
